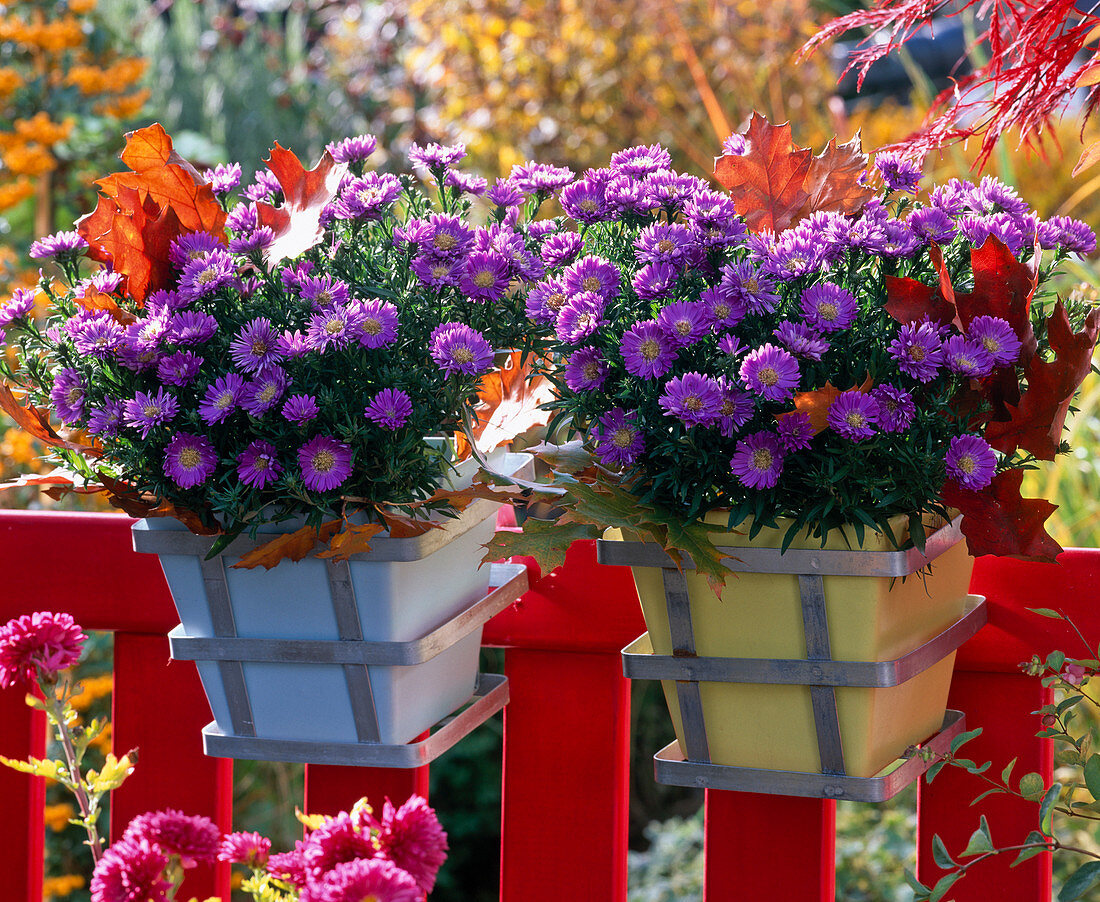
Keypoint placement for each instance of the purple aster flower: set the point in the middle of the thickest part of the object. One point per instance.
(361, 879)
(485, 276)
(713, 220)
(993, 196)
(40, 643)
(801, 340)
(437, 271)
(581, 315)
(204, 276)
(970, 462)
(505, 193)
(300, 409)
(106, 281)
(853, 415)
(258, 467)
(684, 321)
(243, 218)
(723, 311)
(770, 372)
(586, 370)
(250, 849)
(997, 337)
(147, 410)
(1072, 235)
(897, 240)
(223, 178)
(694, 399)
(325, 463)
(735, 145)
(19, 305)
(367, 198)
(251, 243)
(540, 177)
(390, 408)
(757, 460)
(106, 420)
(192, 838)
(899, 173)
(164, 301)
(664, 243)
(736, 408)
(561, 249)
(592, 274)
(978, 229)
(638, 162)
(378, 324)
(460, 350)
(625, 195)
(951, 197)
(353, 150)
(671, 190)
(896, 408)
(545, 300)
(586, 201)
(190, 327)
(131, 871)
(755, 291)
(966, 357)
(794, 254)
(179, 369)
(436, 156)
(829, 307)
(193, 246)
(465, 183)
(256, 346)
(655, 281)
(618, 437)
(334, 327)
(189, 460)
(68, 395)
(647, 349)
(445, 236)
(264, 392)
(917, 350)
(266, 188)
(795, 431)
(222, 398)
(63, 245)
(97, 336)
(932, 224)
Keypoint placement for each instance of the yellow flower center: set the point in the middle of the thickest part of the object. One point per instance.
(665, 245)
(591, 284)
(261, 463)
(484, 279)
(259, 348)
(623, 437)
(189, 458)
(323, 461)
(828, 312)
(372, 327)
(683, 326)
(591, 371)
(223, 400)
(650, 349)
(721, 311)
(693, 402)
(966, 464)
(855, 418)
(207, 276)
(991, 344)
(267, 394)
(588, 205)
(751, 285)
(768, 375)
(150, 410)
(917, 353)
(444, 241)
(334, 326)
(555, 301)
(761, 459)
(462, 355)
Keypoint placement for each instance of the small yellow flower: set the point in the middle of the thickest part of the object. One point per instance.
(18, 447)
(80, 7)
(123, 107)
(14, 193)
(58, 816)
(58, 887)
(10, 81)
(28, 159)
(43, 130)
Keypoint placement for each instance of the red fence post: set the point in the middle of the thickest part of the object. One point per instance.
(22, 830)
(331, 788)
(159, 707)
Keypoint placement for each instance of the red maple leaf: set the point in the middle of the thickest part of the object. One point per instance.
(297, 222)
(908, 300)
(998, 520)
(1035, 424)
(1003, 286)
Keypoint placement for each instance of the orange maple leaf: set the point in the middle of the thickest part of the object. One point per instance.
(816, 403)
(291, 546)
(351, 540)
(297, 222)
(508, 405)
(36, 421)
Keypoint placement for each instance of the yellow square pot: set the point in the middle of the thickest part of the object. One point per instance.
(759, 615)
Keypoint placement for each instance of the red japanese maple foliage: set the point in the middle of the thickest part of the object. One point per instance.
(1030, 78)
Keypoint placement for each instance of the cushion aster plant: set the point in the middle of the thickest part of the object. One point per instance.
(828, 354)
(284, 356)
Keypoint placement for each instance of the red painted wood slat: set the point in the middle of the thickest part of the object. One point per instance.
(332, 788)
(23, 797)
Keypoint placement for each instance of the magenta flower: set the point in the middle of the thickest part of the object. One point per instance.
(264, 392)
(333, 327)
(829, 307)
(245, 848)
(222, 398)
(16, 307)
(618, 438)
(485, 276)
(545, 300)
(795, 431)
(561, 249)
(189, 460)
(352, 150)
(655, 280)
(801, 340)
(896, 408)
(685, 322)
(325, 463)
(60, 244)
(223, 178)
(585, 201)
(193, 246)
(997, 338)
(648, 350)
(853, 415)
(754, 290)
(67, 395)
(43, 641)
(592, 274)
(338, 840)
(414, 840)
(131, 871)
(390, 408)
(917, 351)
(540, 177)
(257, 465)
(694, 399)
(966, 357)
(363, 879)
(445, 236)
(379, 323)
(723, 310)
(193, 839)
(256, 346)
(436, 156)
(970, 462)
(179, 369)
(290, 866)
(736, 408)
(579, 317)
(757, 461)
(323, 292)
(203, 276)
(437, 271)
(106, 420)
(191, 327)
(504, 193)
(770, 372)
(899, 173)
(460, 350)
(586, 370)
(638, 162)
(147, 410)
(300, 409)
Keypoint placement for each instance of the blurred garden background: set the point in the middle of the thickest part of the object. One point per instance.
(561, 81)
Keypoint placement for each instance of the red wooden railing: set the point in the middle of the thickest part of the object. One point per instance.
(566, 748)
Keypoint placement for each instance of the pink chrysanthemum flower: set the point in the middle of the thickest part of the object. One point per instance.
(289, 866)
(971, 462)
(42, 641)
(192, 837)
(131, 871)
(364, 880)
(245, 848)
(413, 839)
(325, 462)
(339, 839)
